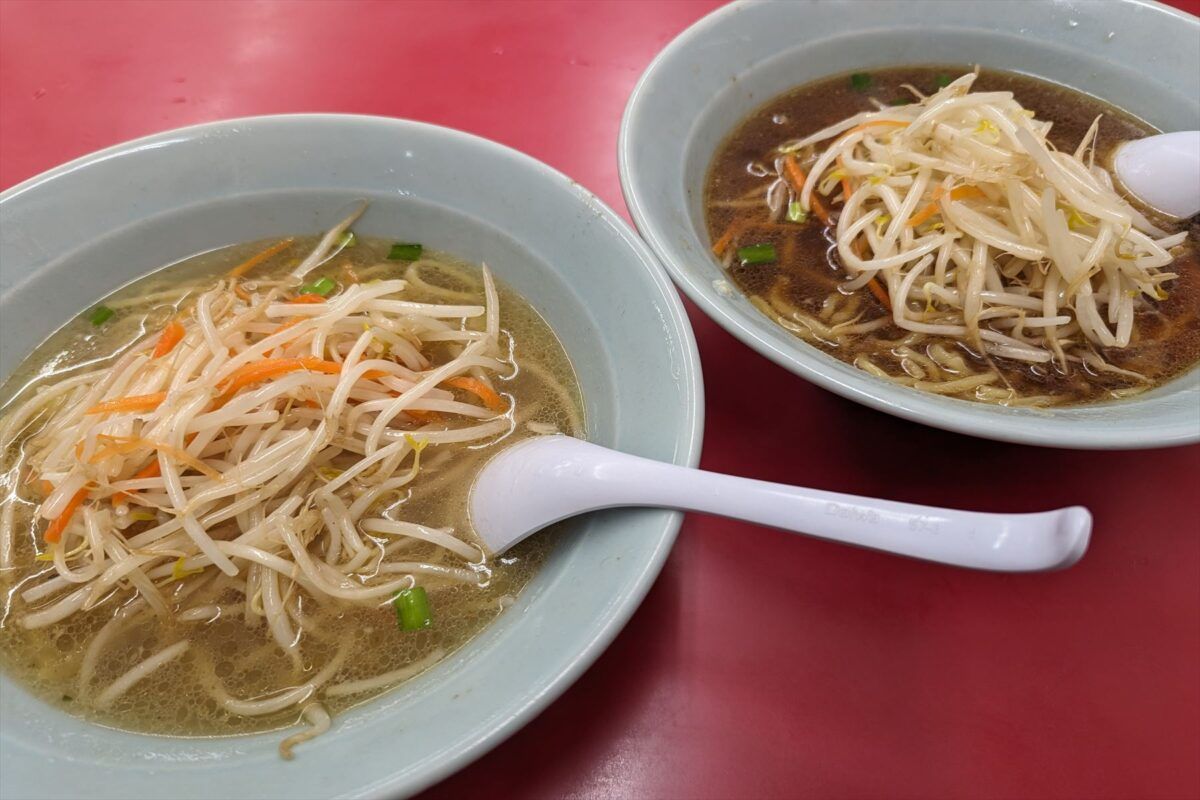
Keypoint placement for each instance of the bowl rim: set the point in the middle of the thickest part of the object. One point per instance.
(800, 358)
(688, 442)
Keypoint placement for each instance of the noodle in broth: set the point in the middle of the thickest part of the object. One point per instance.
(931, 230)
(128, 619)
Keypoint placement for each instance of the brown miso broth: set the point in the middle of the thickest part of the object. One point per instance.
(807, 270)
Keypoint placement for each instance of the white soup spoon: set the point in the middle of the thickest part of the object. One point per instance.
(549, 478)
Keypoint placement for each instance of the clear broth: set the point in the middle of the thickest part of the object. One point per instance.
(172, 700)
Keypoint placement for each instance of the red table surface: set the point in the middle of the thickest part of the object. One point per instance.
(761, 664)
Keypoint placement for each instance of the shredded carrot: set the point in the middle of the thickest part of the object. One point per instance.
(120, 445)
(240, 292)
(151, 470)
(136, 402)
(880, 293)
(922, 215)
(290, 323)
(46, 486)
(116, 446)
(307, 299)
(481, 390)
(57, 526)
(963, 192)
(957, 193)
(794, 173)
(171, 336)
(255, 260)
(273, 368)
(721, 245)
(845, 180)
(798, 179)
(874, 284)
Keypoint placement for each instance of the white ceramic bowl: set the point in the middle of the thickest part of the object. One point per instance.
(75, 233)
(1141, 56)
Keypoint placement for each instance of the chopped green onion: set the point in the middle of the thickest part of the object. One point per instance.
(412, 609)
(405, 252)
(348, 239)
(860, 81)
(796, 212)
(943, 80)
(762, 253)
(101, 315)
(901, 101)
(321, 286)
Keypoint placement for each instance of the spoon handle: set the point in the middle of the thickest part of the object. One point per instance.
(588, 477)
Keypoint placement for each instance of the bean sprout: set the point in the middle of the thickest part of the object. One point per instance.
(254, 447)
(994, 239)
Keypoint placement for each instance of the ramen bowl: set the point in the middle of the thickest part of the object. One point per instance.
(1140, 56)
(72, 235)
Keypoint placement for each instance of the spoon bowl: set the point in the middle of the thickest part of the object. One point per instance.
(1163, 171)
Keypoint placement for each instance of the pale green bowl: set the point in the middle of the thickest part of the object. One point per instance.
(1141, 56)
(75, 233)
